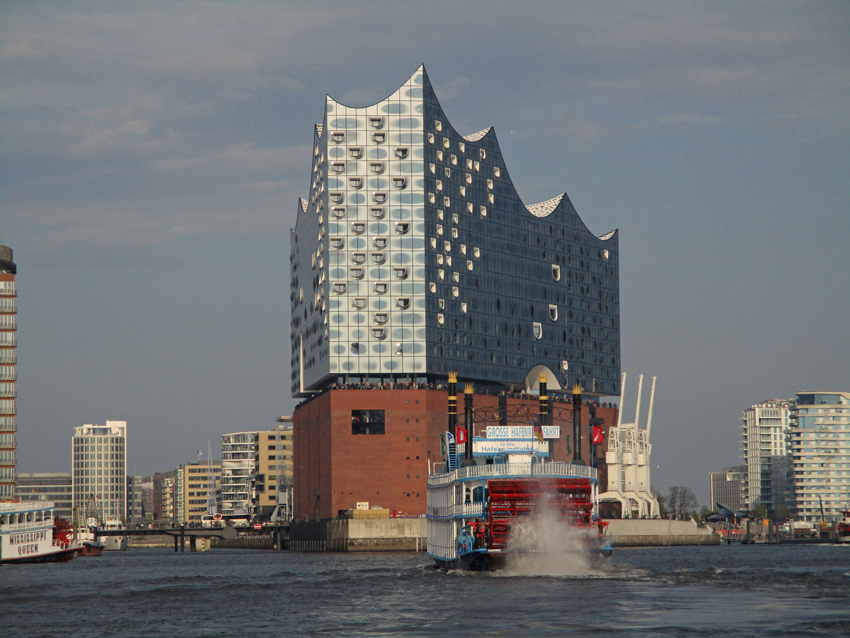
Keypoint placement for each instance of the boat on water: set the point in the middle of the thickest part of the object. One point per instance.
(488, 501)
(94, 520)
(842, 527)
(28, 534)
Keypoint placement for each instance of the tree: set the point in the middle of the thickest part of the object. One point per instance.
(687, 501)
(673, 501)
(680, 501)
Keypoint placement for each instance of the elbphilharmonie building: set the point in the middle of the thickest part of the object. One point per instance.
(413, 256)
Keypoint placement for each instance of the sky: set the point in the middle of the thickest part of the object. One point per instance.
(152, 156)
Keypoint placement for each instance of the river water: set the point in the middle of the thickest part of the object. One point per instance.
(722, 591)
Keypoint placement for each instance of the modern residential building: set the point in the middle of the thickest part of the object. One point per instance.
(161, 496)
(47, 486)
(199, 481)
(727, 488)
(820, 453)
(273, 461)
(413, 257)
(8, 373)
(764, 448)
(238, 452)
(99, 468)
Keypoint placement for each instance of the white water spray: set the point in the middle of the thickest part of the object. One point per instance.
(544, 544)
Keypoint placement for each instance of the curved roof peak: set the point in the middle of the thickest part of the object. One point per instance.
(418, 78)
(544, 209)
(479, 135)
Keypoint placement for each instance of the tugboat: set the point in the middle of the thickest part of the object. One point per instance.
(481, 501)
(28, 534)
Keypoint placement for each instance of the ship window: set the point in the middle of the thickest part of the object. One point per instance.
(358, 227)
(380, 287)
(381, 317)
(403, 302)
(336, 197)
(378, 257)
(337, 242)
(355, 151)
(339, 287)
(358, 258)
(359, 302)
(357, 273)
(376, 121)
(376, 167)
(337, 167)
(367, 422)
(379, 136)
(338, 136)
(400, 272)
(379, 197)
(399, 182)
(379, 333)
(401, 152)
(338, 211)
(379, 242)
(401, 228)
(377, 212)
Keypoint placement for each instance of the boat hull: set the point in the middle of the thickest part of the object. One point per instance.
(59, 556)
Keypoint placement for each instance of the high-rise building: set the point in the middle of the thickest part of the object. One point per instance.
(8, 375)
(820, 453)
(47, 486)
(100, 468)
(726, 488)
(764, 448)
(238, 468)
(413, 256)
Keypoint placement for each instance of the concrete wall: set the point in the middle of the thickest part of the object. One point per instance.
(652, 533)
(359, 535)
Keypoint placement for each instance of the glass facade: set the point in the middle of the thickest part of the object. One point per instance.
(820, 453)
(414, 256)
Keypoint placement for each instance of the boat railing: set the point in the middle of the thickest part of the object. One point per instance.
(512, 470)
(457, 510)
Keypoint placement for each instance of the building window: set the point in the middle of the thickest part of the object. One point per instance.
(355, 151)
(401, 152)
(367, 422)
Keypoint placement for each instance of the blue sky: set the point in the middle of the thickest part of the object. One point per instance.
(152, 154)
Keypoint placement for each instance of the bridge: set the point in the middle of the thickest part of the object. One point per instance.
(180, 534)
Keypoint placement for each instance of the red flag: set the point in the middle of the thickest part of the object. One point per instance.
(597, 434)
(461, 435)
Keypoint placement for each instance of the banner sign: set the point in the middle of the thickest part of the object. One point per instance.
(521, 432)
(489, 447)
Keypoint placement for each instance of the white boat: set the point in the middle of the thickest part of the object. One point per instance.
(28, 534)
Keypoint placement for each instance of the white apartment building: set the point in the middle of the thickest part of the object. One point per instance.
(820, 452)
(99, 468)
(764, 448)
(238, 468)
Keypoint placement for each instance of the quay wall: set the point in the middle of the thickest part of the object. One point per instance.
(359, 535)
(658, 533)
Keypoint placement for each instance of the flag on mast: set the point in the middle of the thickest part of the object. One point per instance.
(538, 432)
(461, 435)
(597, 434)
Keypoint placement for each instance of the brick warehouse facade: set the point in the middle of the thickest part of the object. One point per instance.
(336, 468)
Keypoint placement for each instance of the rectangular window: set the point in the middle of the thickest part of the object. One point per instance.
(367, 421)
